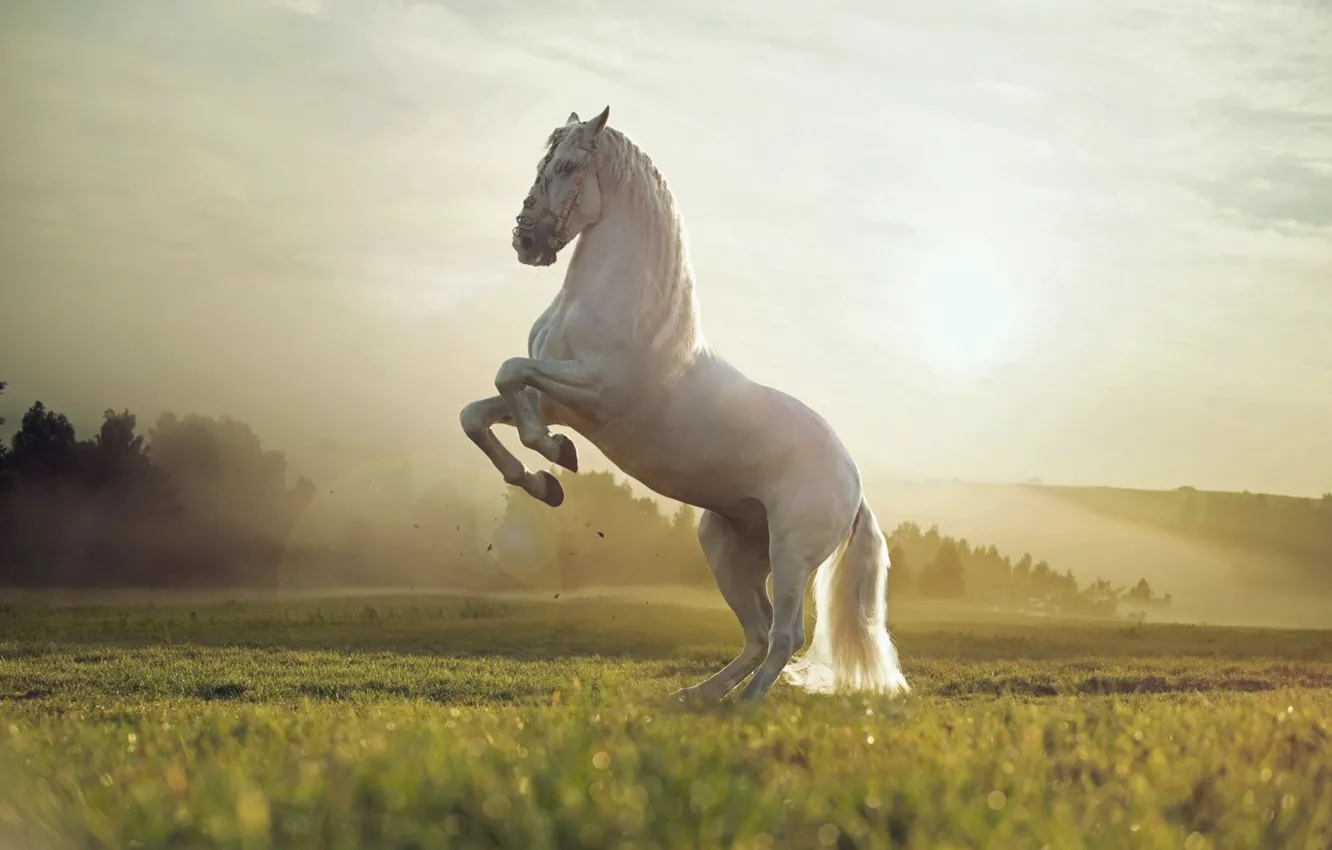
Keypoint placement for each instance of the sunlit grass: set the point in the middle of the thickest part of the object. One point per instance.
(446, 723)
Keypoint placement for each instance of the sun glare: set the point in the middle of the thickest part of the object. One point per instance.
(965, 314)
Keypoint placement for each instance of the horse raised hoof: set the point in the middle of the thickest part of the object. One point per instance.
(568, 456)
(551, 491)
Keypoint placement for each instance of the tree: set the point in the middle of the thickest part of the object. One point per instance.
(226, 477)
(4, 450)
(1022, 569)
(1102, 592)
(6, 480)
(1141, 592)
(900, 577)
(944, 578)
(118, 454)
(45, 446)
(681, 547)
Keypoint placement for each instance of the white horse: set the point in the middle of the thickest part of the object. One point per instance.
(619, 357)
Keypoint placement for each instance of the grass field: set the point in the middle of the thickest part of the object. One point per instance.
(425, 722)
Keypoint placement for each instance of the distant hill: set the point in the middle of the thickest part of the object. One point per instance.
(1217, 576)
(1290, 526)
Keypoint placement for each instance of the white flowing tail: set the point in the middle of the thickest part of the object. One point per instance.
(851, 649)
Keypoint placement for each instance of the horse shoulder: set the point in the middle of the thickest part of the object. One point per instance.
(539, 337)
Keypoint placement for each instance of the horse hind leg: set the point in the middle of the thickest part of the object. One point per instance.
(796, 551)
(739, 563)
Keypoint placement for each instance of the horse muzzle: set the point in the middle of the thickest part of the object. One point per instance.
(537, 245)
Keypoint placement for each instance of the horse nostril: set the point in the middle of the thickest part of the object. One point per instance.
(526, 242)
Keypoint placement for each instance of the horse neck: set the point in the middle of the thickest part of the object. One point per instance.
(632, 265)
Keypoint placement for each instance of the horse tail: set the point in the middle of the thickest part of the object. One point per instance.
(851, 649)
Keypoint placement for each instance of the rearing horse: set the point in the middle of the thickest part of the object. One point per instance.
(619, 357)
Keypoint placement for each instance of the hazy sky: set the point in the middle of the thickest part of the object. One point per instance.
(1085, 241)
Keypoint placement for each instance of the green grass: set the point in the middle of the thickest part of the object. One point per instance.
(422, 722)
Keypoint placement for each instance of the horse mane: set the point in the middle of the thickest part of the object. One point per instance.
(667, 316)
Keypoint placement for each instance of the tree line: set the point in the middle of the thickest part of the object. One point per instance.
(608, 536)
(199, 501)
(929, 564)
(195, 501)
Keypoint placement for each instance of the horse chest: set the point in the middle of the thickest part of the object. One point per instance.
(550, 338)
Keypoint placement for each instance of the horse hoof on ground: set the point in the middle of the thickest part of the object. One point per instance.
(568, 456)
(552, 492)
(689, 698)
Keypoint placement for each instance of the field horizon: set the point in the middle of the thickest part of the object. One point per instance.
(913, 610)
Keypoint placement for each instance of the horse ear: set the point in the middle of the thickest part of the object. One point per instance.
(573, 118)
(596, 125)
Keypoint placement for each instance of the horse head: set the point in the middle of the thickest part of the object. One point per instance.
(565, 198)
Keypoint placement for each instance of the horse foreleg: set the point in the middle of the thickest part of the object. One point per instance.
(477, 419)
(567, 382)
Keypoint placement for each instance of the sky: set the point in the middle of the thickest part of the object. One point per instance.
(1077, 241)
